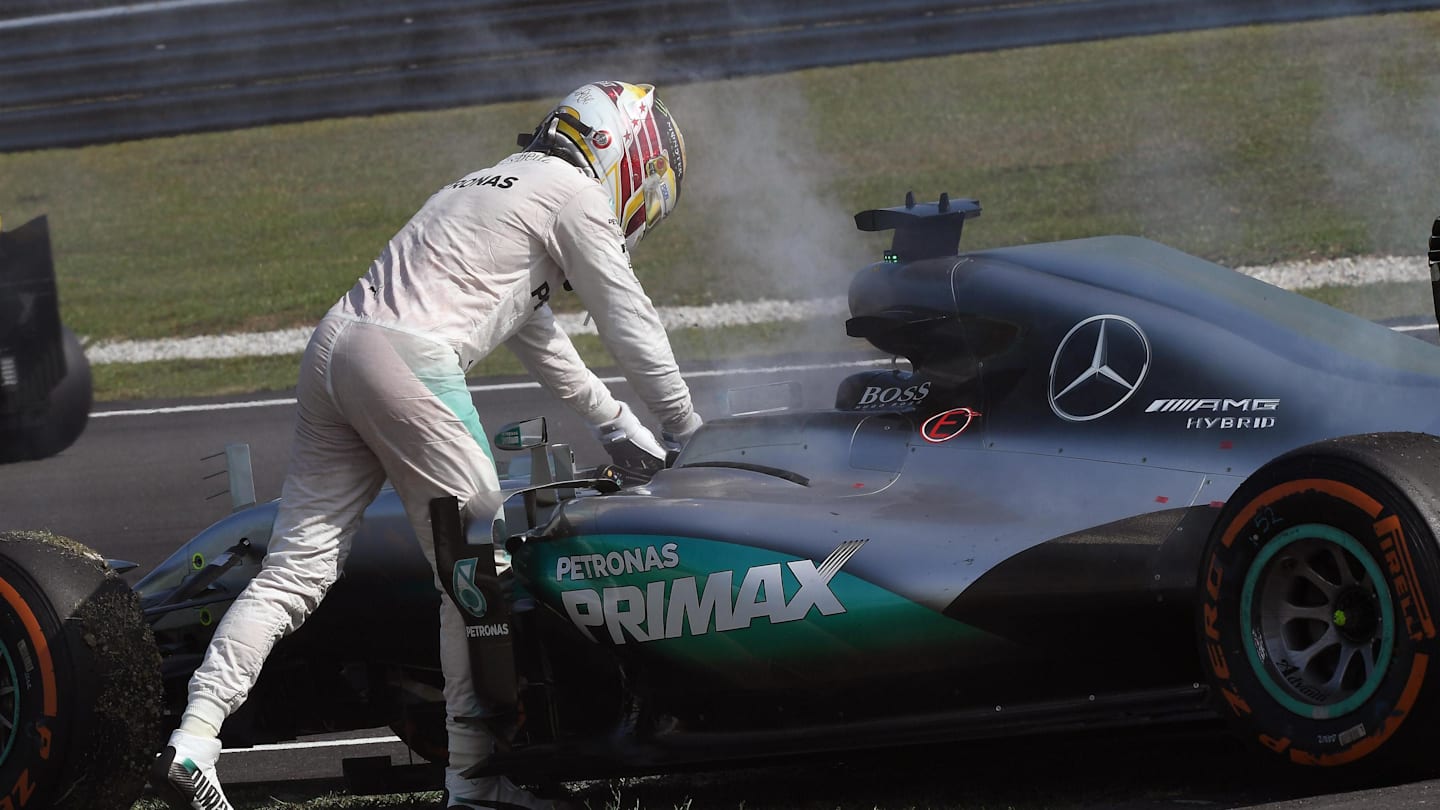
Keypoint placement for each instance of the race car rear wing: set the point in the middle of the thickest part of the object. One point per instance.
(922, 230)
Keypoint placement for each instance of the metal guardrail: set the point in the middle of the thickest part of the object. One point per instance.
(171, 66)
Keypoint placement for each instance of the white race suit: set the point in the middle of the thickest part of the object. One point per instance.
(382, 394)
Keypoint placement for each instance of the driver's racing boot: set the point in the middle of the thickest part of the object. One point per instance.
(492, 793)
(183, 773)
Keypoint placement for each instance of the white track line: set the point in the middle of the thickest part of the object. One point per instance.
(296, 746)
(282, 342)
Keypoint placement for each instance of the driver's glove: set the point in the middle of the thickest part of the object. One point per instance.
(675, 437)
(632, 447)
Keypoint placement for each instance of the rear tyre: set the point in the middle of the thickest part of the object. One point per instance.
(1316, 590)
(80, 687)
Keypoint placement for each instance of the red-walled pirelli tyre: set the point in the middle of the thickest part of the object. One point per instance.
(1315, 604)
(80, 684)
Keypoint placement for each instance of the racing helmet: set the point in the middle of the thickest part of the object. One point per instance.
(622, 134)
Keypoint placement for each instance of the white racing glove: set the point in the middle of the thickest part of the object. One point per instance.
(677, 437)
(632, 447)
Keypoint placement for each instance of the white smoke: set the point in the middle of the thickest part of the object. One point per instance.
(760, 204)
(773, 225)
(1379, 138)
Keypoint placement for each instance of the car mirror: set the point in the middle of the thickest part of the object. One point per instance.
(522, 435)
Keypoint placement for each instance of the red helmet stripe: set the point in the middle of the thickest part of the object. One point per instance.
(647, 145)
(637, 159)
(612, 89)
(652, 136)
(632, 166)
(636, 221)
(626, 178)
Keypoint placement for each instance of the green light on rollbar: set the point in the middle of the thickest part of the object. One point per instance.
(892, 257)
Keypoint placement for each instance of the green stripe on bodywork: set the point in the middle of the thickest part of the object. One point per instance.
(451, 390)
(875, 621)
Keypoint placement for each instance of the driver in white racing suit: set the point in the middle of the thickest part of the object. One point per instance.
(382, 391)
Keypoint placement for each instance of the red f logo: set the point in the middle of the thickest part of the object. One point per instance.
(942, 427)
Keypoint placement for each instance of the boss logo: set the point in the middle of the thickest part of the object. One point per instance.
(878, 396)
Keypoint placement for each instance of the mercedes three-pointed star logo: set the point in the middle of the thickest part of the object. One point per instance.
(1099, 365)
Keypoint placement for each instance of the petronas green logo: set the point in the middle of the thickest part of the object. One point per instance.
(467, 592)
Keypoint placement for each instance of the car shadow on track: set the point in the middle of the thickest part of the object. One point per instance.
(1149, 770)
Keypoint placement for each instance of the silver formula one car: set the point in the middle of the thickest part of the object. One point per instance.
(1113, 484)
